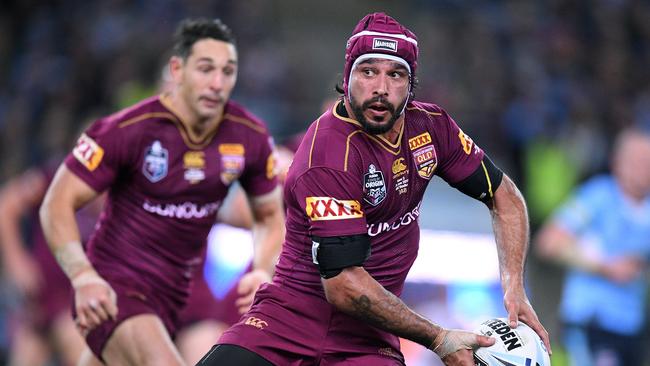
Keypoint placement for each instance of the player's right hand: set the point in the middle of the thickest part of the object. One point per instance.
(248, 285)
(456, 347)
(95, 301)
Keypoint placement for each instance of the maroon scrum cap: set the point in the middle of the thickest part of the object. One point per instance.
(379, 35)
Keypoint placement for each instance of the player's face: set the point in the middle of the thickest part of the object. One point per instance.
(632, 165)
(378, 92)
(208, 76)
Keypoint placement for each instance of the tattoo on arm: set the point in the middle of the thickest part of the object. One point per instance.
(389, 313)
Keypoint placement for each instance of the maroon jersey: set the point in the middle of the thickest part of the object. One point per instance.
(164, 190)
(344, 181)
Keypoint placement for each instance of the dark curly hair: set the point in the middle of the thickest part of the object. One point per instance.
(190, 31)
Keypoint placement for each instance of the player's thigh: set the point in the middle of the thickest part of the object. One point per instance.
(141, 340)
(231, 355)
(67, 340)
(87, 358)
(196, 340)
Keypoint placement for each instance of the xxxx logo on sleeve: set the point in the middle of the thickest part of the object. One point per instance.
(88, 152)
(328, 208)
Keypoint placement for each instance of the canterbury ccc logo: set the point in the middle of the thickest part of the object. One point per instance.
(328, 208)
(256, 322)
(419, 140)
(398, 166)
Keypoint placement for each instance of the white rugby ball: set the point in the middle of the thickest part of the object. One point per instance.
(513, 347)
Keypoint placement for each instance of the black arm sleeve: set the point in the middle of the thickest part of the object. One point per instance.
(333, 254)
(481, 184)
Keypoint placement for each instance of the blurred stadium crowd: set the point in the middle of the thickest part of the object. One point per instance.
(542, 85)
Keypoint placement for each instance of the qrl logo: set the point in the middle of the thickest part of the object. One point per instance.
(328, 208)
(425, 156)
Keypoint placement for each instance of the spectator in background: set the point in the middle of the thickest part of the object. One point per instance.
(602, 236)
(167, 163)
(42, 327)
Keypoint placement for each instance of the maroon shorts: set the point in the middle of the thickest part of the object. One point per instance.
(53, 297)
(202, 305)
(132, 301)
(289, 328)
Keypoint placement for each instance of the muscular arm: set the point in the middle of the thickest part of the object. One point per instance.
(268, 234)
(66, 195)
(511, 232)
(268, 229)
(356, 293)
(95, 300)
(236, 210)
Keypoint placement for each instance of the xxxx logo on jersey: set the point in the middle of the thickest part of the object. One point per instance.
(88, 152)
(419, 140)
(328, 208)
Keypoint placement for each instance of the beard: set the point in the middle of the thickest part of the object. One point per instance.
(376, 127)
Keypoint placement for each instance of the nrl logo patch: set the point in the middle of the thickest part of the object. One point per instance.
(426, 161)
(155, 163)
(384, 44)
(374, 187)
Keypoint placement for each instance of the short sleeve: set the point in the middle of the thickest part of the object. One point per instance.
(98, 155)
(459, 155)
(260, 175)
(331, 202)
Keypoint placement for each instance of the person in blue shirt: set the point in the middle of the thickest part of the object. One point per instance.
(602, 235)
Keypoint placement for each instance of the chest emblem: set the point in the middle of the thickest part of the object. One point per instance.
(374, 186)
(426, 161)
(232, 162)
(194, 164)
(156, 162)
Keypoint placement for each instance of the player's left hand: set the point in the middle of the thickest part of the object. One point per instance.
(519, 308)
(247, 287)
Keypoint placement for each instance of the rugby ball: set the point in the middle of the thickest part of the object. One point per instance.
(513, 347)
